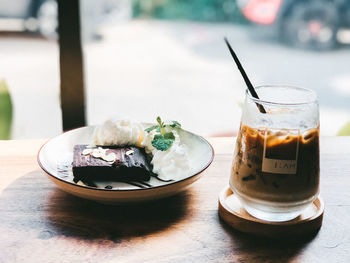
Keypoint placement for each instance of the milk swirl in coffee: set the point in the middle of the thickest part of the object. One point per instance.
(276, 165)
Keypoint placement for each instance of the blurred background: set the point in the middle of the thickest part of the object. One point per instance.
(145, 58)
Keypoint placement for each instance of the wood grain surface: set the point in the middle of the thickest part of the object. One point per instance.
(40, 223)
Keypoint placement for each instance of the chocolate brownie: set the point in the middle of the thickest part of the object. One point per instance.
(123, 164)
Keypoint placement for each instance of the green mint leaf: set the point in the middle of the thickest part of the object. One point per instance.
(169, 135)
(159, 120)
(161, 125)
(161, 143)
(175, 124)
(149, 129)
(164, 139)
(158, 137)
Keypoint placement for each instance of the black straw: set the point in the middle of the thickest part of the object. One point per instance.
(245, 77)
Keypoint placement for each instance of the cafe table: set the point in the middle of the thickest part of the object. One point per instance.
(40, 223)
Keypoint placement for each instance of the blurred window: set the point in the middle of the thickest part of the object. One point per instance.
(145, 58)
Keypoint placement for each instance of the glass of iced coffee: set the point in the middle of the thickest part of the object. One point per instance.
(276, 167)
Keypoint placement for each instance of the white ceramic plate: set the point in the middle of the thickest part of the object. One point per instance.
(56, 155)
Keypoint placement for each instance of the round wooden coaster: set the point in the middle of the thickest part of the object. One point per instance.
(232, 212)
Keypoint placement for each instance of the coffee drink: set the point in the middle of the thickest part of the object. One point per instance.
(276, 165)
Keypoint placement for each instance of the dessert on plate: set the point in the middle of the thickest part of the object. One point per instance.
(109, 164)
(128, 151)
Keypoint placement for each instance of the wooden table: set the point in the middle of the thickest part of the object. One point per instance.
(40, 223)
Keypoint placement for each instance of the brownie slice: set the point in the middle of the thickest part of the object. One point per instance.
(130, 164)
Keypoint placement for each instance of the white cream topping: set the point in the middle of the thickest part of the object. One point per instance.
(172, 164)
(118, 132)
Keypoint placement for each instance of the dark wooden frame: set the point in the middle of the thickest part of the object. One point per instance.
(71, 65)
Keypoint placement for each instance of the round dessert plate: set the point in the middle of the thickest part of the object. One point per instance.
(55, 158)
(232, 212)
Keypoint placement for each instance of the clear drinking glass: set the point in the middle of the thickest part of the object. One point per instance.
(276, 167)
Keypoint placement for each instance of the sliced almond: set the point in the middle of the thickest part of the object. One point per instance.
(130, 152)
(96, 153)
(86, 152)
(103, 151)
(110, 157)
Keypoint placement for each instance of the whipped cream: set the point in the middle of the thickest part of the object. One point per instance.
(119, 132)
(172, 164)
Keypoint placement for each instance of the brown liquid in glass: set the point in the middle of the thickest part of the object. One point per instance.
(248, 179)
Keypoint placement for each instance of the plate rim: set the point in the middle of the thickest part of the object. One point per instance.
(124, 190)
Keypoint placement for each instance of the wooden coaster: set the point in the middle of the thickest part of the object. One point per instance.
(232, 212)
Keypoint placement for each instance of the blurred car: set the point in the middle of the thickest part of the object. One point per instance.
(303, 23)
(42, 15)
(33, 15)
